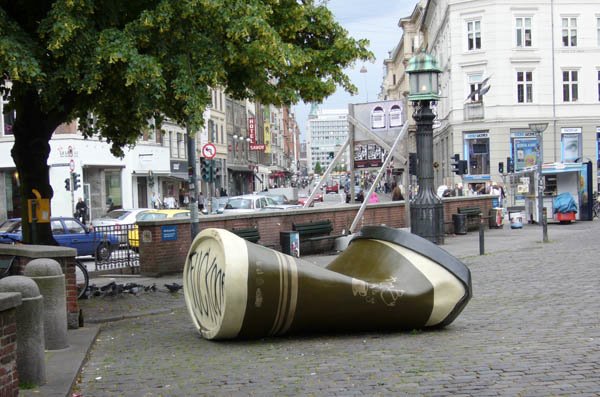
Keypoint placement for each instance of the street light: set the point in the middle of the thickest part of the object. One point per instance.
(363, 70)
(426, 209)
(538, 128)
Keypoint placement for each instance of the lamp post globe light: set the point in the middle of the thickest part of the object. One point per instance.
(426, 209)
(539, 128)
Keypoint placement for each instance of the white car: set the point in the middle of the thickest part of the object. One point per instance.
(248, 203)
(118, 222)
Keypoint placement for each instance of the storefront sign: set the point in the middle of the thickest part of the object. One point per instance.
(477, 135)
(252, 129)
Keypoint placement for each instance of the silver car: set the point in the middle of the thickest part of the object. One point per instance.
(248, 203)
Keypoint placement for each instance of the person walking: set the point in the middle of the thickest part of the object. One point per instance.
(81, 210)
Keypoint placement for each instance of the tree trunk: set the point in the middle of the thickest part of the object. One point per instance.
(32, 132)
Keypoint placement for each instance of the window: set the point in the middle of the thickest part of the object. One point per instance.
(8, 119)
(474, 86)
(598, 31)
(524, 87)
(569, 32)
(474, 35)
(570, 87)
(599, 85)
(523, 26)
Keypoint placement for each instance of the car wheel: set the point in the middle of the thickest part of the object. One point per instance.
(103, 251)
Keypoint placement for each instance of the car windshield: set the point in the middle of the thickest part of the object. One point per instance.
(10, 226)
(117, 214)
(151, 216)
(239, 204)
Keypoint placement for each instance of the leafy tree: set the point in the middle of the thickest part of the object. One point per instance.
(318, 169)
(125, 62)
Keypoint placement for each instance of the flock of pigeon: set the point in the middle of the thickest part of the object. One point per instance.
(114, 289)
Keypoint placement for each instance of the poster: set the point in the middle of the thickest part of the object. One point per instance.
(525, 153)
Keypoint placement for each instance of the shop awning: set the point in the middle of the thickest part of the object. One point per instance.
(239, 168)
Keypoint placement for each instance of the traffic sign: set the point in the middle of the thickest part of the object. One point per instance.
(209, 151)
(72, 165)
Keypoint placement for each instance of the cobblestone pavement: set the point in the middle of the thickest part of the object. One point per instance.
(531, 329)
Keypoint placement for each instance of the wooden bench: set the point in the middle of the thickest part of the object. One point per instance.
(473, 216)
(250, 233)
(315, 231)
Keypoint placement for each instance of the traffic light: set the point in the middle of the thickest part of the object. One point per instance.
(510, 166)
(331, 155)
(204, 169)
(456, 164)
(412, 164)
(68, 184)
(501, 167)
(76, 180)
(462, 167)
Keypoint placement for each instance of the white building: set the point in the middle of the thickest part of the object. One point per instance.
(541, 61)
(327, 130)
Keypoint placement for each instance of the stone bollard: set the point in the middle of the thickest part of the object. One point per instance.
(50, 279)
(31, 363)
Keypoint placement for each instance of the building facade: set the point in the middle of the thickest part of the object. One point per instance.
(327, 131)
(506, 64)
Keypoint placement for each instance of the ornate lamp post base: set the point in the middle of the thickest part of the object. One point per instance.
(426, 210)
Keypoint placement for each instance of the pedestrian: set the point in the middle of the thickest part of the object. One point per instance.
(201, 202)
(155, 200)
(81, 210)
(397, 193)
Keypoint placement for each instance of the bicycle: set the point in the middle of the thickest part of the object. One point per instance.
(82, 278)
(596, 206)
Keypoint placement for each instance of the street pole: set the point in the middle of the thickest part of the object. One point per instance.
(192, 181)
(539, 128)
(427, 210)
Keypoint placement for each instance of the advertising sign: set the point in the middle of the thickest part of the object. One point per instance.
(525, 153)
(384, 119)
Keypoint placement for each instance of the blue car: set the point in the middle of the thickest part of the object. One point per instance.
(68, 232)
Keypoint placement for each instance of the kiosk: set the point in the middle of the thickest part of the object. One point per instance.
(557, 178)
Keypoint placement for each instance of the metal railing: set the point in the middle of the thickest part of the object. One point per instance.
(124, 255)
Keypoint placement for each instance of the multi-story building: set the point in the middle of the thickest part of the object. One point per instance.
(541, 63)
(157, 164)
(327, 131)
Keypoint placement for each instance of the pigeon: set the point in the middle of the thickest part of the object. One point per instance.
(173, 287)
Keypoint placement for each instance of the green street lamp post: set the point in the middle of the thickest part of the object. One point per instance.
(426, 209)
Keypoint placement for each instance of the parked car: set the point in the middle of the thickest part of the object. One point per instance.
(358, 194)
(333, 188)
(282, 202)
(248, 203)
(302, 198)
(153, 215)
(68, 232)
(118, 222)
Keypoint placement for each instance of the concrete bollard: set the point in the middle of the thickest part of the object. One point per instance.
(50, 279)
(31, 363)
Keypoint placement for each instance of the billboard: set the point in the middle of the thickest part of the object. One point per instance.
(384, 119)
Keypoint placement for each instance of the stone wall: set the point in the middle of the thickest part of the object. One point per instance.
(158, 256)
(9, 377)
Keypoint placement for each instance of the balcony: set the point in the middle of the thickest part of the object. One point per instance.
(473, 111)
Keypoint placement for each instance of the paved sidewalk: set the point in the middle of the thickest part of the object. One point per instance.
(532, 328)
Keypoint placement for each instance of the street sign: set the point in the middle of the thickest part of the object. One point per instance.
(72, 165)
(209, 151)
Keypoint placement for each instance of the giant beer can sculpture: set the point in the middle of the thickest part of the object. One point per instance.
(386, 279)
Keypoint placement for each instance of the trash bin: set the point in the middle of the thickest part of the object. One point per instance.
(496, 218)
(290, 243)
(459, 221)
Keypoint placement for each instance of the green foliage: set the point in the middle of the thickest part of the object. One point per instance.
(126, 61)
(318, 169)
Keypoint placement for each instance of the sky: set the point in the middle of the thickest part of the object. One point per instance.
(377, 21)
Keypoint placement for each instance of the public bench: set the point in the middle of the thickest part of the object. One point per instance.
(473, 216)
(312, 232)
(249, 233)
